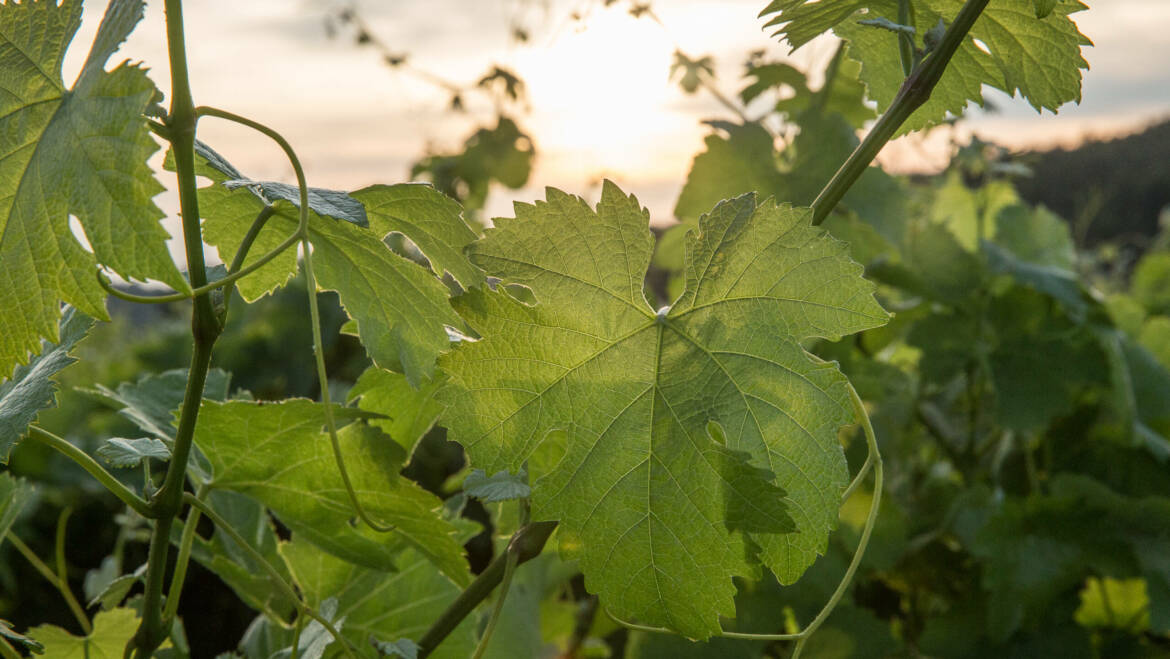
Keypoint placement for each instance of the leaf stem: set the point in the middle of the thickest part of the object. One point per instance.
(498, 608)
(242, 252)
(206, 326)
(61, 586)
(222, 524)
(87, 463)
(175, 592)
(905, 41)
(527, 542)
(914, 92)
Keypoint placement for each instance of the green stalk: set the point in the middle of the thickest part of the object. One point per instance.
(914, 92)
(96, 470)
(183, 559)
(528, 543)
(205, 329)
(498, 608)
(61, 586)
(222, 524)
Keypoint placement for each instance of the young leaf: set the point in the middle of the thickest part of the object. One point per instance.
(77, 151)
(382, 605)
(501, 486)
(676, 431)
(31, 388)
(111, 631)
(121, 452)
(277, 454)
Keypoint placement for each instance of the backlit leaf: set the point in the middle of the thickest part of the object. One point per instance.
(677, 431)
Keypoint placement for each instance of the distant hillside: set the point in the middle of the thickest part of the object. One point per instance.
(1118, 185)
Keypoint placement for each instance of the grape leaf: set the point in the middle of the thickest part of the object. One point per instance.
(431, 220)
(1008, 48)
(77, 151)
(111, 631)
(744, 161)
(151, 401)
(399, 308)
(410, 412)
(31, 388)
(377, 604)
(277, 454)
(500, 486)
(655, 413)
(120, 452)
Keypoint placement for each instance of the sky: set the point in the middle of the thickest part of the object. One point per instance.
(601, 101)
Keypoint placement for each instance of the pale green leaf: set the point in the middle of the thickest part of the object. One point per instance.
(378, 604)
(111, 631)
(278, 454)
(120, 452)
(403, 647)
(431, 220)
(1114, 603)
(410, 412)
(744, 161)
(655, 413)
(31, 388)
(1035, 236)
(64, 152)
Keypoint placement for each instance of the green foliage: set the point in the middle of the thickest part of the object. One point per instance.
(31, 388)
(1014, 46)
(79, 151)
(679, 400)
(681, 417)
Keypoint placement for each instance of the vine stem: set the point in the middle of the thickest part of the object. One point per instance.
(505, 585)
(205, 329)
(914, 92)
(222, 524)
(87, 463)
(183, 559)
(874, 461)
(61, 586)
(527, 544)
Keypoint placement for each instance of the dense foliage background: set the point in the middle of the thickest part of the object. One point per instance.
(1020, 396)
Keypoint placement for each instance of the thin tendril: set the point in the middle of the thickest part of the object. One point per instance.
(302, 234)
(505, 584)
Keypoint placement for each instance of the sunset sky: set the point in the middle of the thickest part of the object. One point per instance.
(602, 104)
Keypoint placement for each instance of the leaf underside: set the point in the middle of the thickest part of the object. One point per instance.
(77, 151)
(680, 448)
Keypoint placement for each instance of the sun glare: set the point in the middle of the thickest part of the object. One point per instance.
(602, 98)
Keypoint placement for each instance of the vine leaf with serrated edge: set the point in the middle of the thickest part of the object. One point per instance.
(78, 151)
(1014, 46)
(31, 388)
(399, 308)
(277, 454)
(663, 442)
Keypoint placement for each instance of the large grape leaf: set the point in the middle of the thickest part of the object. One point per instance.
(31, 388)
(382, 605)
(1009, 48)
(653, 414)
(400, 309)
(278, 454)
(80, 152)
